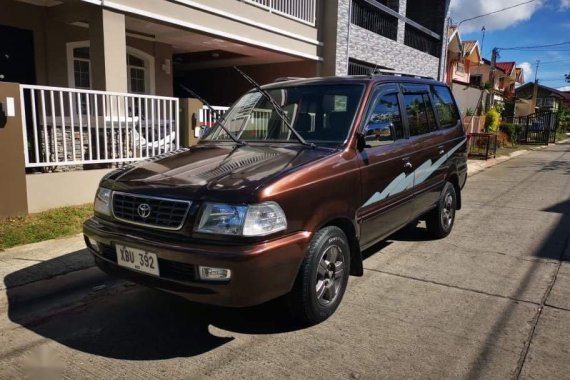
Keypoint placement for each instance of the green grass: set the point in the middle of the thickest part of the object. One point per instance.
(46, 225)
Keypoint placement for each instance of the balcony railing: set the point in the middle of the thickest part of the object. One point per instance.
(66, 126)
(419, 40)
(299, 10)
(374, 19)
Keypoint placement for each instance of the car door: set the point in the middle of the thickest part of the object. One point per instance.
(385, 170)
(426, 145)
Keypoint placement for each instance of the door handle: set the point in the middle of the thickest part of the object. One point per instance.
(408, 165)
(441, 150)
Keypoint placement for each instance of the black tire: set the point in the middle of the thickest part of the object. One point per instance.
(440, 220)
(307, 305)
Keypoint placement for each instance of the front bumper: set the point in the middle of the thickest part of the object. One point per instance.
(260, 272)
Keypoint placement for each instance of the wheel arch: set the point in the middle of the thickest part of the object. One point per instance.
(349, 229)
(454, 179)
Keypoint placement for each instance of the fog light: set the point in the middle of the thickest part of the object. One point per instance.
(214, 274)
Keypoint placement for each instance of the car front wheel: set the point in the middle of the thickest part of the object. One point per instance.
(322, 278)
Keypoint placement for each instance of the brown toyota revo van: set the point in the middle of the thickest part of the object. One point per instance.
(283, 194)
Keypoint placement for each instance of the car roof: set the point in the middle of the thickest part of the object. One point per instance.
(351, 79)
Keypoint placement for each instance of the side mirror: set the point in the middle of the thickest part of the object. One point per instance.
(379, 131)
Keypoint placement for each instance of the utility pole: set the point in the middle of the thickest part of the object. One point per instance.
(535, 88)
(491, 97)
(536, 71)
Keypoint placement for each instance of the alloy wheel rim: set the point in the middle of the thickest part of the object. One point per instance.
(448, 211)
(330, 273)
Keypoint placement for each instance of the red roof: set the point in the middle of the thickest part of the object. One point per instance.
(507, 67)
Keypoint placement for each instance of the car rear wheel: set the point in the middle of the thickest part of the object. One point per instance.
(440, 220)
(322, 278)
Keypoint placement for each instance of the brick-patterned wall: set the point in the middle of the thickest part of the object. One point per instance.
(373, 48)
(342, 37)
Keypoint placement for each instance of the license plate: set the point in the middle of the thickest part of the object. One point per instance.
(137, 259)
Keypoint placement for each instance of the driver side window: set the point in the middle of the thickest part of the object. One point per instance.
(384, 125)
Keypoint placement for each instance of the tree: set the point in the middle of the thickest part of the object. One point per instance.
(567, 76)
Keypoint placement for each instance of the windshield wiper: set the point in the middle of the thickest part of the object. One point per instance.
(276, 106)
(219, 121)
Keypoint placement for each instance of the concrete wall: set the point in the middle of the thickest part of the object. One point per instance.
(53, 190)
(466, 97)
(12, 164)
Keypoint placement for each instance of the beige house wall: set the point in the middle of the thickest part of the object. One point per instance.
(12, 163)
(177, 13)
(52, 190)
(52, 34)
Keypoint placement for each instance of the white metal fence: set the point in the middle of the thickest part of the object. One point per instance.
(66, 126)
(300, 10)
(257, 124)
(209, 118)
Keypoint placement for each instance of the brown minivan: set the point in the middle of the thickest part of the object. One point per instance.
(283, 194)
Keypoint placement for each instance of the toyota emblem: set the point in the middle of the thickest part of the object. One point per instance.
(144, 210)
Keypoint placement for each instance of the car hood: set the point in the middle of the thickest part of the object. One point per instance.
(214, 172)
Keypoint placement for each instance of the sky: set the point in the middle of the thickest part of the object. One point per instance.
(540, 22)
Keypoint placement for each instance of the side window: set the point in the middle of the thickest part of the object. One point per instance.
(421, 119)
(384, 125)
(445, 107)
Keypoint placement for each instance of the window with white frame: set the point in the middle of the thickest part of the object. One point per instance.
(137, 73)
(140, 68)
(81, 67)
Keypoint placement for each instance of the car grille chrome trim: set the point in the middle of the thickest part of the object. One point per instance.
(165, 213)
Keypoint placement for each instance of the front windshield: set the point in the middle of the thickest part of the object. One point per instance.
(320, 114)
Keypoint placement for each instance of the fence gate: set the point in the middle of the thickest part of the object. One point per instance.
(538, 128)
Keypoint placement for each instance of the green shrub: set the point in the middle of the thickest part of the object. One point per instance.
(492, 121)
(512, 130)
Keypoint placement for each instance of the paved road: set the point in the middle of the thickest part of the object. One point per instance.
(490, 301)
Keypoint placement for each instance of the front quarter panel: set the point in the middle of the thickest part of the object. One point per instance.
(318, 193)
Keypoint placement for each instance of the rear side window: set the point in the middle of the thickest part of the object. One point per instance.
(421, 119)
(445, 107)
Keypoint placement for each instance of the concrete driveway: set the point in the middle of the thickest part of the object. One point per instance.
(490, 301)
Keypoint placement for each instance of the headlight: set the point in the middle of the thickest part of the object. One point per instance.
(264, 219)
(255, 220)
(103, 201)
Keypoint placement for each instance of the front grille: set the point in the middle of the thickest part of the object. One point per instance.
(167, 214)
(168, 269)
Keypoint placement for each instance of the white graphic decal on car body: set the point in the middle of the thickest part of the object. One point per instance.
(404, 182)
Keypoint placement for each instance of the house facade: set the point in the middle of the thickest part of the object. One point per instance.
(401, 35)
(147, 47)
(143, 46)
(96, 84)
(547, 99)
(461, 57)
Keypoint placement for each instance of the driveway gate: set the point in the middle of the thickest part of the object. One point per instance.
(538, 128)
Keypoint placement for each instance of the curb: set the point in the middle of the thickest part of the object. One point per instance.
(476, 166)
